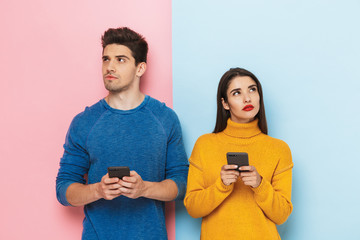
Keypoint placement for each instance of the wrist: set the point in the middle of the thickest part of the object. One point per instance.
(259, 183)
(95, 190)
(145, 189)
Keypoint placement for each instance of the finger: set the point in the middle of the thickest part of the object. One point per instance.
(247, 174)
(133, 177)
(247, 179)
(249, 183)
(125, 190)
(112, 196)
(130, 195)
(133, 173)
(245, 168)
(113, 186)
(126, 184)
(231, 172)
(129, 179)
(230, 179)
(113, 192)
(228, 167)
(108, 180)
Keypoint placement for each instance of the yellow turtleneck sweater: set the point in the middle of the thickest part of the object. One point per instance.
(238, 211)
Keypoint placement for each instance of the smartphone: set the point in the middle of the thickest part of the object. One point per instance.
(238, 158)
(118, 172)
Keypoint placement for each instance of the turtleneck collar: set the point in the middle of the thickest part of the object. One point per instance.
(242, 130)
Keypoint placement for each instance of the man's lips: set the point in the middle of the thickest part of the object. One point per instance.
(110, 77)
(248, 108)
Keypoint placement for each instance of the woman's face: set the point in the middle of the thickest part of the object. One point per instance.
(243, 99)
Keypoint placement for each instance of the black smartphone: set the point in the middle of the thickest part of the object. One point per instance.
(118, 172)
(238, 158)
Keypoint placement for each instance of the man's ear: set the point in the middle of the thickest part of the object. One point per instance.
(225, 104)
(140, 69)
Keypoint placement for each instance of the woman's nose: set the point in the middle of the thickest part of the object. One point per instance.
(247, 98)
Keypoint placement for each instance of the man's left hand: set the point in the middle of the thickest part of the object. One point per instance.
(133, 186)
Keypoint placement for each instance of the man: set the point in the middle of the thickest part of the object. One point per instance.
(126, 128)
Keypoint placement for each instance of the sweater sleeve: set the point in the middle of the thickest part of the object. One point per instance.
(201, 200)
(74, 163)
(176, 160)
(274, 197)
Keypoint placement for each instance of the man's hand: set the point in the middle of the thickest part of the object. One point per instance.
(133, 186)
(251, 178)
(108, 188)
(228, 174)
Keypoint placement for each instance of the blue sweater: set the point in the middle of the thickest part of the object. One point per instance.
(147, 139)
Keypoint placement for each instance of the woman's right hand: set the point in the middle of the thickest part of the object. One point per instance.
(228, 174)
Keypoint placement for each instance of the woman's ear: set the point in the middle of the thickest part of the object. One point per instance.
(225, 104)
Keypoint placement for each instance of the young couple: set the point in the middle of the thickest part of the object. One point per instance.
(128, 128)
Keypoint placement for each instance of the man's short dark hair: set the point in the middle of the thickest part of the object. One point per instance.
(129, 38)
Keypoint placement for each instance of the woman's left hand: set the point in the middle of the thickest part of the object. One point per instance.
(252, 177)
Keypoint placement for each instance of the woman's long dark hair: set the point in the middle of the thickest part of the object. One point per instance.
(222, 114)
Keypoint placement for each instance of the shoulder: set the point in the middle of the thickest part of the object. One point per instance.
(165, 115)
(206, 138)
(276, 144)
(205, 141)
(88, 117)
(282, 153)
(160, 109)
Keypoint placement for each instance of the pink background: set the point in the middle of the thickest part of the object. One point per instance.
(50, 69)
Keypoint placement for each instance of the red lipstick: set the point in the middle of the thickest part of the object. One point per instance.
(248, 107)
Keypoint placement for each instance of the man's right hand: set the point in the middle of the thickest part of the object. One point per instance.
(108, 188)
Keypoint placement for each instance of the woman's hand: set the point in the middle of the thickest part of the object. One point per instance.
(252, 177)
(228, 174)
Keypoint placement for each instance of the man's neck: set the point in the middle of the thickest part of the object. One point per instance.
(125, 100)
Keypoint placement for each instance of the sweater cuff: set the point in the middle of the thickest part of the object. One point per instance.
(61, 192)
(222, 187)
(264, 184)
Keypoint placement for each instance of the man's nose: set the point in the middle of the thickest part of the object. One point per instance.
(111, 66)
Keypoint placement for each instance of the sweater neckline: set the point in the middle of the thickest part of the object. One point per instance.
(130, 111)
(242, 130)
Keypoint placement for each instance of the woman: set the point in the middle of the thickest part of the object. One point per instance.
(246, 204)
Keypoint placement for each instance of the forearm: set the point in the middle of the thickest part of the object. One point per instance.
(275, 201)
(200, 202)
(163, 191)
(79, 194)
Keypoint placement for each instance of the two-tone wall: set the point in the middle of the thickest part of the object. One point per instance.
(305, 53)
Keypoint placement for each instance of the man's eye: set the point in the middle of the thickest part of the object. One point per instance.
(121, 60)
(105, 59)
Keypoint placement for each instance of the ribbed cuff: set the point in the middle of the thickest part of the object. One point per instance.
(222, 187)
(262, 187)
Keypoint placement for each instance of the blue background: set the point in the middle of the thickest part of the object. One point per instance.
(306, 54)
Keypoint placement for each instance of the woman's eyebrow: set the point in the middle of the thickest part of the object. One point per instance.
(235, 89)
(254, 85)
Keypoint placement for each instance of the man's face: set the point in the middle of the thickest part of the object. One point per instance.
(118, 68)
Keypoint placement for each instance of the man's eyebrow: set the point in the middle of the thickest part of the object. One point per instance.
(118, 56)
(122, 56)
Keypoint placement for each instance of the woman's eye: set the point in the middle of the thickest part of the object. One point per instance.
(236, 93)
(253, 89)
